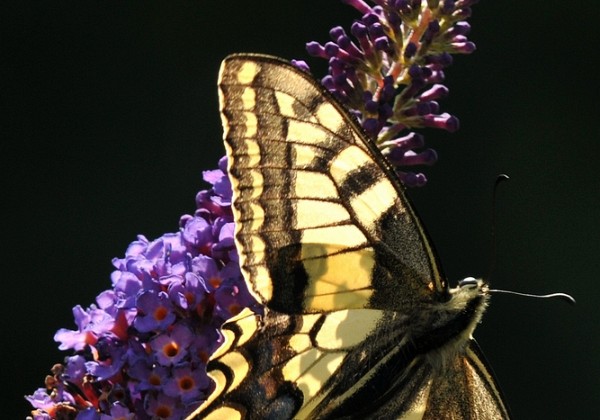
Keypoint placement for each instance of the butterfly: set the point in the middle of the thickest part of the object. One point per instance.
(359, 320)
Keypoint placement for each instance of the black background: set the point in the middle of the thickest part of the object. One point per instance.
(111, 115)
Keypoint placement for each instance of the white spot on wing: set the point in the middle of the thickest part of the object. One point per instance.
(344, 329)
(286, 104)
(303, 155)
(329, 117)
(372, 203)
(314, 213)
(344, 235)
(248, 98)
(251, 124)
(303, 132)
(310, 370)
(349, 159)
(314, 185)
(253, 154)
(247, 72)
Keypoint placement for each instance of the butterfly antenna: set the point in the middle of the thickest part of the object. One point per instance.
(563, 296)
(568, 298)
(494, 255)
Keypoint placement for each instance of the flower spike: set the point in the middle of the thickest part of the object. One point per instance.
(389, 75)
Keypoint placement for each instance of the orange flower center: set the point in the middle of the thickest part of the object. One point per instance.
(171, 349)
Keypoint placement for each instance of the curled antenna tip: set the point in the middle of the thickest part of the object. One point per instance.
(563, 296)
(570, 299)
(501, 178)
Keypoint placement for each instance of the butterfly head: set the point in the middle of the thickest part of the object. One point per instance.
(470, 295)
(468, 301)
(470, 287)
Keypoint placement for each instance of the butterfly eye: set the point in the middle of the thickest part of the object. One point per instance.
(469, 282)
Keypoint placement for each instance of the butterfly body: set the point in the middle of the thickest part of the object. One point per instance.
(359, 321)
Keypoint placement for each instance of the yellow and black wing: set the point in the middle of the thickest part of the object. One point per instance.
(322, 223)
(329, 243)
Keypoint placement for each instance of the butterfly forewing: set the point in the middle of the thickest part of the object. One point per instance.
(322, 223)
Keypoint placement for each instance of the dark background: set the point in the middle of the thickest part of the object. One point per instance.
(111, 115)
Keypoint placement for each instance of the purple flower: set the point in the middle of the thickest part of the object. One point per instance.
(92, 323)
(118, 411)
(220, 182)
(41, 400)
(109, 360)
(88, 414)
(149, 375)
(388, 70)
(232, 296)
(197, 232)
(153, 332)
(155, 311)
(188, 293)
(171, 348)
(161, 406)
(187, 383)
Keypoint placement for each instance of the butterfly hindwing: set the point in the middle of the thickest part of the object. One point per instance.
(285, 366)
(322, 222)
(290, 366)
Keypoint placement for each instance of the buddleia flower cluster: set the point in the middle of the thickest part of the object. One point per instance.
(141, 350)
(389, 68)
